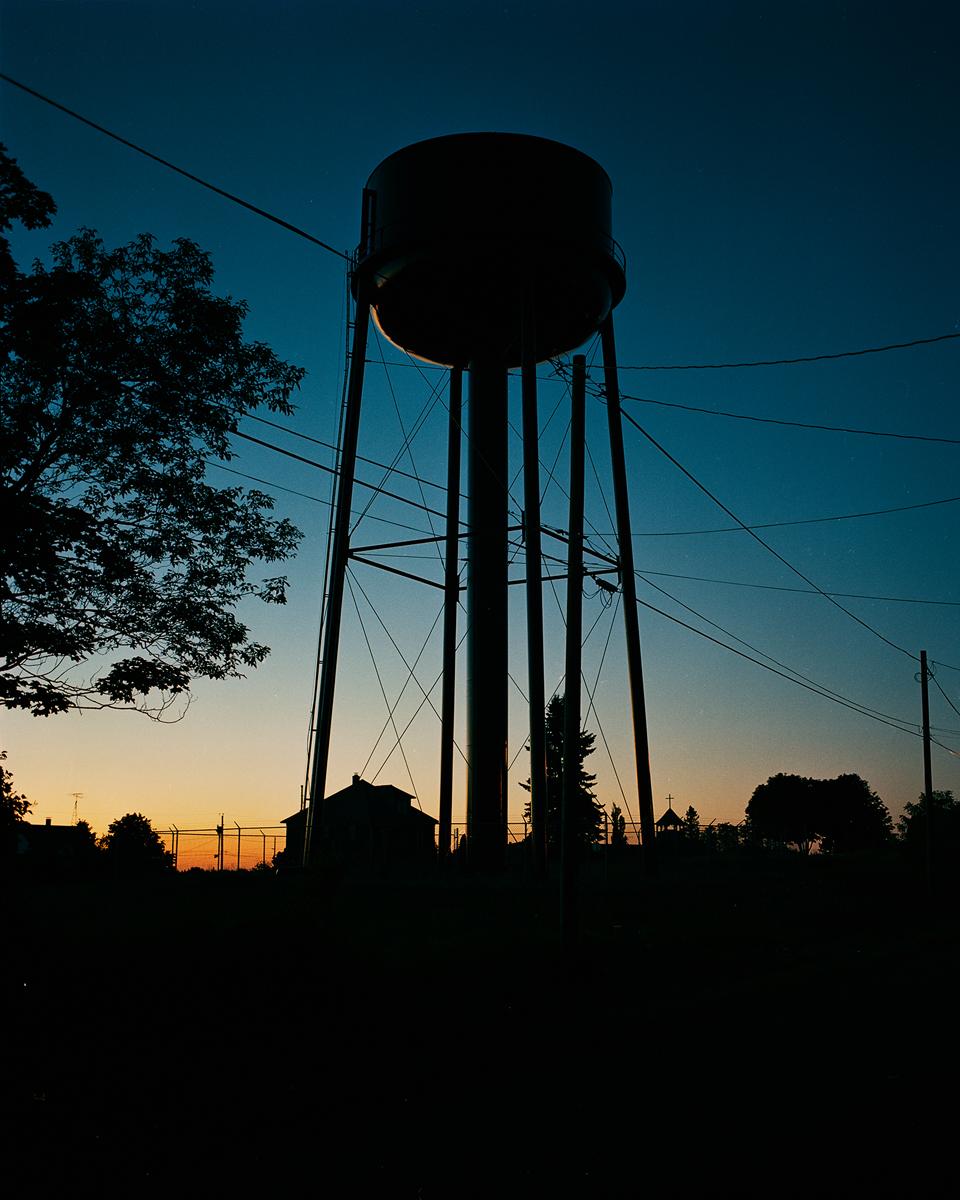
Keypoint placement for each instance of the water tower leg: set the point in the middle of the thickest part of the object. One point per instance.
(450, 605)
(338, 572)
(531, 521)
(570, 799)
(487, 616)
(628, 582)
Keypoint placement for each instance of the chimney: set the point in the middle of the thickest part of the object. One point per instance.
(48, 821)
(356, 780)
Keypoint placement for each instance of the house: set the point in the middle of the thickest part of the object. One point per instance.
(49, 843)
(366, 826)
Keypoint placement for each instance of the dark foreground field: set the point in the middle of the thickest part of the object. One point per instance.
(735, 1027)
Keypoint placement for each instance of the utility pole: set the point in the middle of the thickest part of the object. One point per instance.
(238, 844)
(220, 844)
(927, 771)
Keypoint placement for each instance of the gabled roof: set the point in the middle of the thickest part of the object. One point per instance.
(368, 798)
(361, 789)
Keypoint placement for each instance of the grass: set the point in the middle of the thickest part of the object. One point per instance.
(719, 1026)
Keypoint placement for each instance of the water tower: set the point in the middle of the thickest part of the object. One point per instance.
(483, 252)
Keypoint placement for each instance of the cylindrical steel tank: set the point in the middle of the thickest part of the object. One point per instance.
(458, 230)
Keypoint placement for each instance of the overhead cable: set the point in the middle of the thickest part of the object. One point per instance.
(305, 495)
(786, 362)
(769, 587)
(373, 462)
(800, 675)
(783, 675)
(936, 681)
(770, 550)
(377, 489)
(260, 212)
(713, 412)
(877, 512)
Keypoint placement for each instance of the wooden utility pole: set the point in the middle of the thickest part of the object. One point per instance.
(927, 771)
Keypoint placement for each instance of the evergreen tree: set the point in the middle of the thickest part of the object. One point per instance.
(589, 811)
(691, 825)
(618, 829)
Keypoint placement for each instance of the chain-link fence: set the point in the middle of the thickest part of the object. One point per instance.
(242, 847)
(224, 848)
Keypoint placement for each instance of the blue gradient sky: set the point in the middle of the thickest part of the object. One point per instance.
(785, 183)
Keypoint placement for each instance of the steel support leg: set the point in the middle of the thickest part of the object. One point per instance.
(487, 616)
(628, 582)
(534, 587)
(338, 572)
(450, 605)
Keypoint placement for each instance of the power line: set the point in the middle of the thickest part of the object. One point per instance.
(770, 550)
(260, 212)
(930, 675)
(373, 462)
(783, 675)
(786, 362)
(376, 489)
(800, 675)
(306, 495)
(712, 412)
(877, 512)
(769, 587)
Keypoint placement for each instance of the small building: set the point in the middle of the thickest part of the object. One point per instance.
(366, 826)
(49, 843)
(670, 822)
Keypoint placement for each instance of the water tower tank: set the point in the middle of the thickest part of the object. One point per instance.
(458, 230)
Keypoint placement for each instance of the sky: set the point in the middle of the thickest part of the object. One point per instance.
(785, 184)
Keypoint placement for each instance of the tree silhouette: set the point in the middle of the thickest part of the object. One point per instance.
(691, 825)
(123, 378)
(132, 846)
(781, 810)
(849, 815)
(945, 810)
(618, 828)
(839, 814)
(588, 821)
(14, 806)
